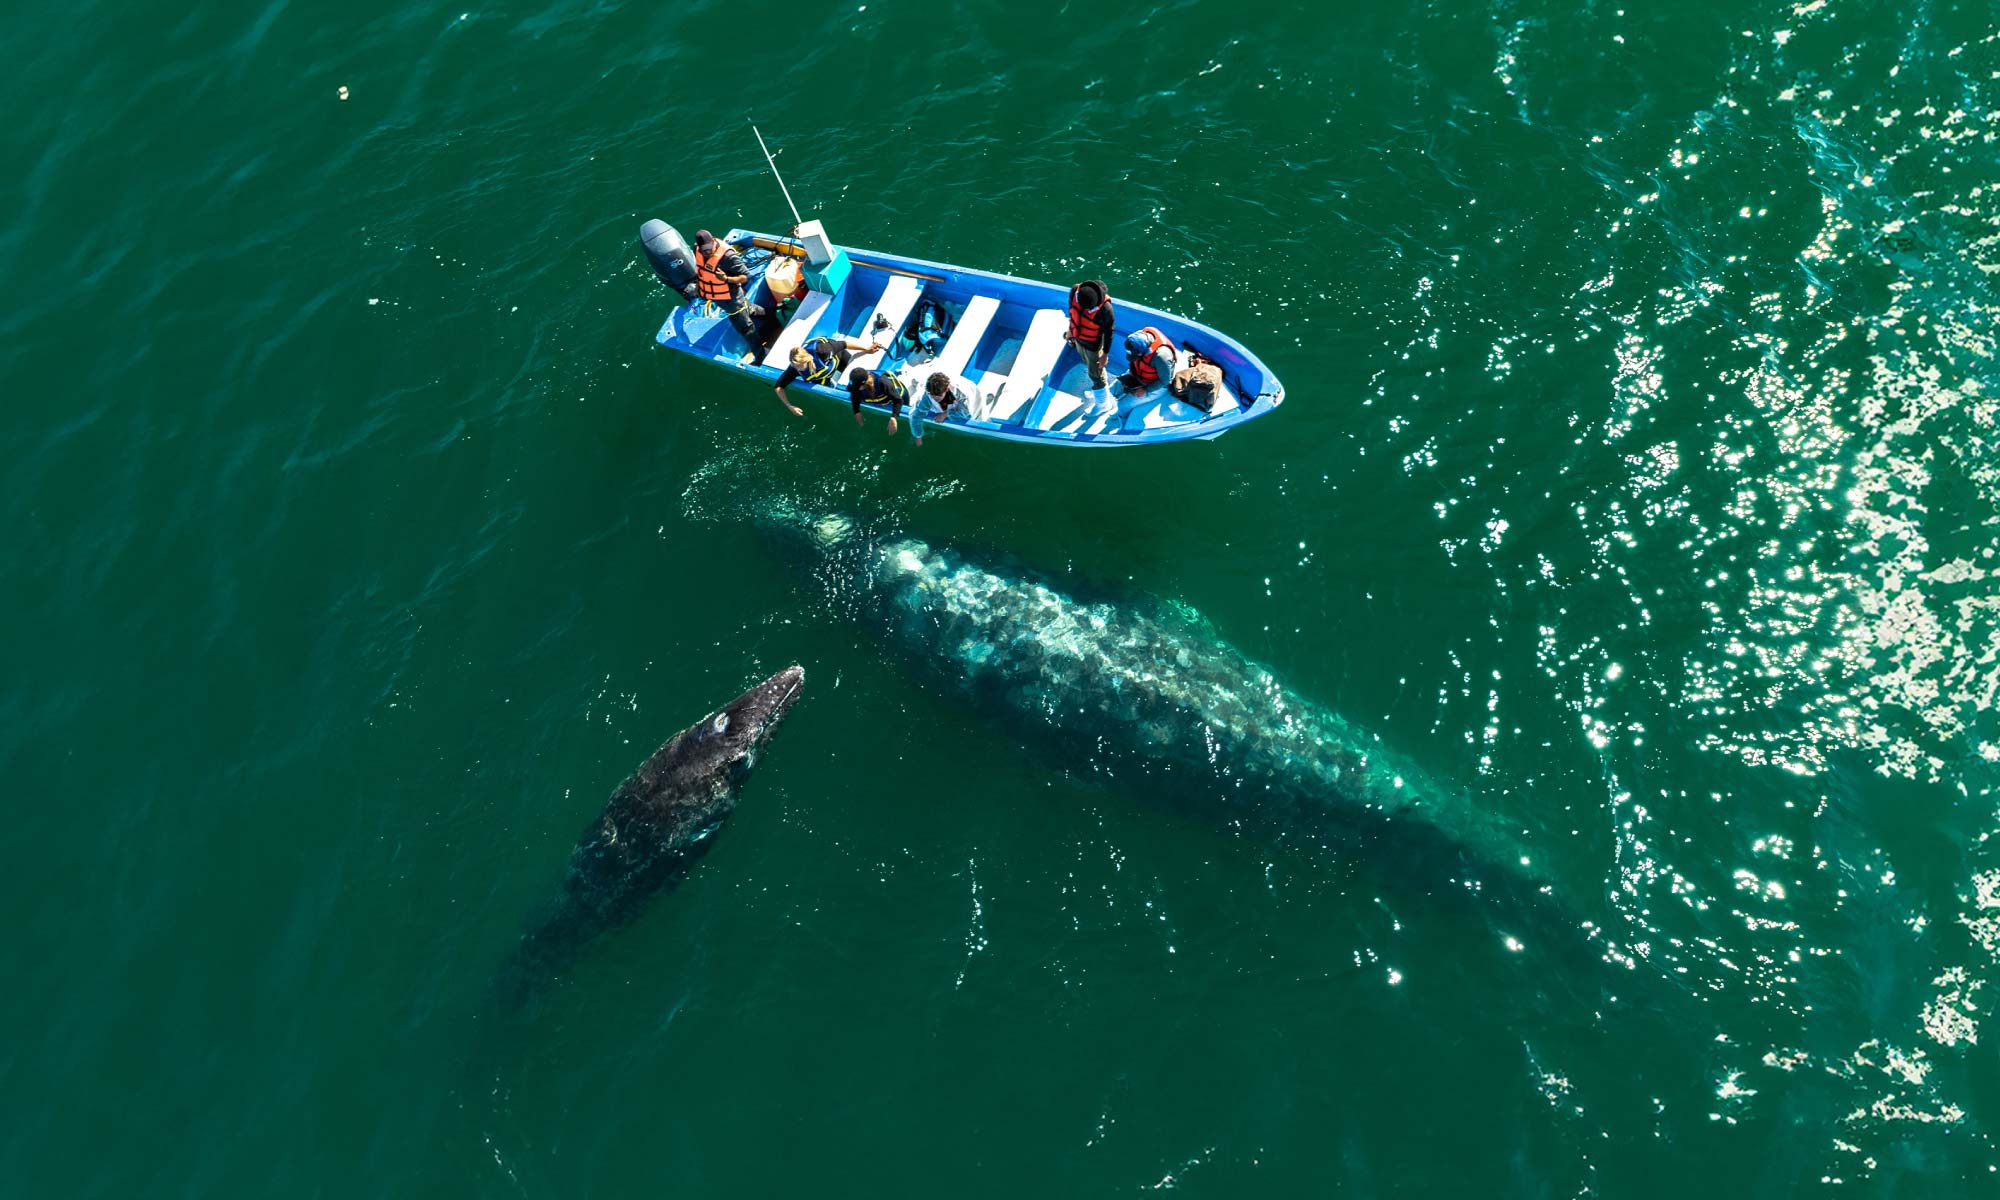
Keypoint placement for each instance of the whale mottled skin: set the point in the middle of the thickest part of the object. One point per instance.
(1154, 689)
(656, 825)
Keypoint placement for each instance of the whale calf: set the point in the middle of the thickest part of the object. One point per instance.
(1152, 691)
(653, 829)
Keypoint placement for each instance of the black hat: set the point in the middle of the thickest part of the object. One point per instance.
(703, 237)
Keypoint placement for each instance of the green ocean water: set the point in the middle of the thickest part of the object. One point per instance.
(1637, 474)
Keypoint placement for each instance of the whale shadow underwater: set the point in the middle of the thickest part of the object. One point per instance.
(656, 826)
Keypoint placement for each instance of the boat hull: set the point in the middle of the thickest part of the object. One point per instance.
(1005, 350)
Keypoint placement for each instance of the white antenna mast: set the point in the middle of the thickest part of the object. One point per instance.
(796, 218)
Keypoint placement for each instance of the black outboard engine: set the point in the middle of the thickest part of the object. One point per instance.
(672, 261)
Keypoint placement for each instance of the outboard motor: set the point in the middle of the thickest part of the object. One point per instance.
(672, 261)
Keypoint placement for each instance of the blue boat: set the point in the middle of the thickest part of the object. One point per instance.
(1002, 341)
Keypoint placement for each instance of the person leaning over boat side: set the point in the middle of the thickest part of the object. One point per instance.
(1153, 359)
(719, 279)
(941, 401)
(876, 387)
(820, 360)
(1090, 327)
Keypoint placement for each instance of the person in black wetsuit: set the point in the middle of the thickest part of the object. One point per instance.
(820, 360)
(876, 387)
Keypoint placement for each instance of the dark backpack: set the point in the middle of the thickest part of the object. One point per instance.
(927, 329)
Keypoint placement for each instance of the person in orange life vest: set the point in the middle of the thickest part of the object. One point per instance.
(719, 279)
(1153, 359)
(1090, 327)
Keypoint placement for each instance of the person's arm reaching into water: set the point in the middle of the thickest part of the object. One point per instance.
(786, 378)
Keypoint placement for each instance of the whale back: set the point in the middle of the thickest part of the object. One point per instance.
(1155, 686)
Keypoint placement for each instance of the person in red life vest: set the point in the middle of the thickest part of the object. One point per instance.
(719, 279)
(876, 387)
(1090, 327)
(1153, 359)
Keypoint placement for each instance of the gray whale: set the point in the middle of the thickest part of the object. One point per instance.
(657, 824)
(1156, 693)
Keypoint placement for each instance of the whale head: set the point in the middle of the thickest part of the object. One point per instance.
(701, 768)
(732, 736)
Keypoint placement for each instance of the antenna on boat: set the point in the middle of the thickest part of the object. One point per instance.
(796, 218)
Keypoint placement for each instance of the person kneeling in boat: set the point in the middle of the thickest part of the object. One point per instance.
(876, 387)
(940, 401)
(1153, 359)
(719, 279)
(820, 360)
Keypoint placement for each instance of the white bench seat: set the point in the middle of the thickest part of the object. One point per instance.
(894, 307)
(1007, 397)
(966, 336)
(798, 329)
